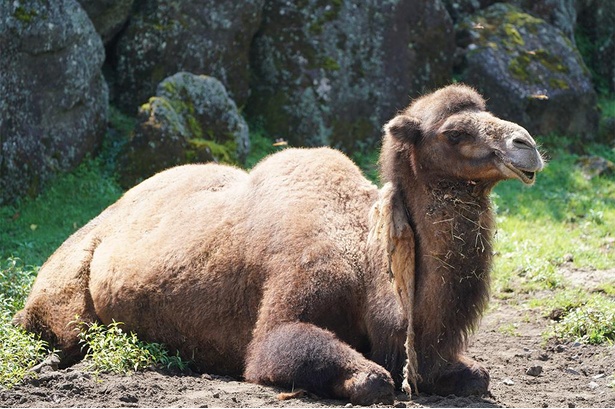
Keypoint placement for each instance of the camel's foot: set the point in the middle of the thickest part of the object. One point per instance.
(463, 378)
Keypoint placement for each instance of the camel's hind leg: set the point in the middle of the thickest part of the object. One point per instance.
(301, 355)
(60, 298)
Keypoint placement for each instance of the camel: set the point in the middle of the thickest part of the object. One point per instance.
(302, 273)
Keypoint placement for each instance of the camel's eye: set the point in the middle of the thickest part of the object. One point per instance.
(455, 136)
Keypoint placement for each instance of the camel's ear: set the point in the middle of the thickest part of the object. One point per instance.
(404, 128)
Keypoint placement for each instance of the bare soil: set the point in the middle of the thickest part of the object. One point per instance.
(525, 371)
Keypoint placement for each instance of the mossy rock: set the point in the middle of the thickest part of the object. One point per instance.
(191, 119)
(331, 73)
(53, 97)
(529, 70)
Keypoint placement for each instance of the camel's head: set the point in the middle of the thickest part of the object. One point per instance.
(449, 135)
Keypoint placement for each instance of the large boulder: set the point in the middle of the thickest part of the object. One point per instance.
(53, 98)
(108, 16)
(191, 119)
(559, 13)
(530, 70)
(331, 73)
(206, 37)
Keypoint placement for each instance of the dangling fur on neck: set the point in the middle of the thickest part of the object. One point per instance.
(391, 234)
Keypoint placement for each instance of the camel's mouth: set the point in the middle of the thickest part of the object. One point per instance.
(526, 172)
(529, 177)
(526, 176)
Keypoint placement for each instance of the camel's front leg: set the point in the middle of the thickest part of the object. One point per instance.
(302, 355)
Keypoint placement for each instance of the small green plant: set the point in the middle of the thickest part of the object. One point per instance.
(592, 322)
(19, 351)
(112, 350)
(15, 282)
(509, 329)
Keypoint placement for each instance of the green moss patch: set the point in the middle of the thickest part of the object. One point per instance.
(200, 149)
(25, 15)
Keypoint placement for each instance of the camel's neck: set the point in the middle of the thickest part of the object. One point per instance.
(453, 226)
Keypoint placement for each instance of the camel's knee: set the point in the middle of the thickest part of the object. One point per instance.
(301, 355)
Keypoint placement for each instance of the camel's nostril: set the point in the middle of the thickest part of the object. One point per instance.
(520, 143)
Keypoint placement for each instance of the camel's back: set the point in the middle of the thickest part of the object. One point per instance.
(288, 195)
(302, 200)
(318, 183)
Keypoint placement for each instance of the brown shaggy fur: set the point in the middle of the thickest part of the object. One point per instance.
(302, 273)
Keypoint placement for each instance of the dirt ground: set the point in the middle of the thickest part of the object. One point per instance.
(525, 372)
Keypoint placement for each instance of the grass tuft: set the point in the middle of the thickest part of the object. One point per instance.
(112, 350)
(19, 350)
(590, 322)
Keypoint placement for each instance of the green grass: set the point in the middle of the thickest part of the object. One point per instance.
(33, 228)
(260, 146)
(368, 162)
(564, 216)
(607, 105)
